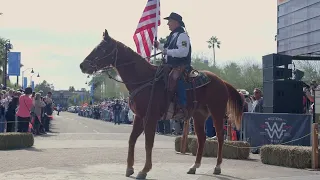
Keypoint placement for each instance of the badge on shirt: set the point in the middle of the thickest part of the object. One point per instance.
(184, 43)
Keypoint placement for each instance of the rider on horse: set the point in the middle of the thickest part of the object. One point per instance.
(177, 50)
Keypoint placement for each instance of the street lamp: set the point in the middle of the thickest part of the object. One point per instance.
(7, 46)
(31, 78)
(22, 84)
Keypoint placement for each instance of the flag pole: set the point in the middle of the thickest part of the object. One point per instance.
(156, 28)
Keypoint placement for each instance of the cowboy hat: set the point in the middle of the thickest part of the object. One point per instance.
(176, 17)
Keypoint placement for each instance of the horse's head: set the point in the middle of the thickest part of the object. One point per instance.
(105, 54)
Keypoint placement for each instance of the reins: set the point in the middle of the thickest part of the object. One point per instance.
(124, 64)
(146, 83)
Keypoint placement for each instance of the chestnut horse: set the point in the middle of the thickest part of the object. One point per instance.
(216, 99)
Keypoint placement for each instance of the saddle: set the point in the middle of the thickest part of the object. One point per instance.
(171, 75)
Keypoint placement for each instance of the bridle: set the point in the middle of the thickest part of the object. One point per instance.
(150, 82)
(114, 54)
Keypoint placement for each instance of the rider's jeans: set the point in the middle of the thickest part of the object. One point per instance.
(182, 94)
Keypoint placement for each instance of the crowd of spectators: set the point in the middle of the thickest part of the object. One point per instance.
(25, 111)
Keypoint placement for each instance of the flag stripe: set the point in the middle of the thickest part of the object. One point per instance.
(151, 7)
(148, 26)
(145, 32)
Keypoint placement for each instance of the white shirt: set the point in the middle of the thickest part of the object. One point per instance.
(183, 44)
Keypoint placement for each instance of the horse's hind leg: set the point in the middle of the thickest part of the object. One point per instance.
(218, 113)
(199, 123)
(135, 133)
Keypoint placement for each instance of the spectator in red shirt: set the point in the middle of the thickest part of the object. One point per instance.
(23, 113)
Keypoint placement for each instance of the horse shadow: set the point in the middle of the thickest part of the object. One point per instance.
(133, 177)
(33, 149)
(23, 149)
(47, 135)
(222, 177)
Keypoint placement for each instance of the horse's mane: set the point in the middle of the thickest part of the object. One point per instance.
(134, 56)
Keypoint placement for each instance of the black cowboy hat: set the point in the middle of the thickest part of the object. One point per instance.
(176, 17)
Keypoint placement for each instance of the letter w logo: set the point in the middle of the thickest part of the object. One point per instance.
(275, 130)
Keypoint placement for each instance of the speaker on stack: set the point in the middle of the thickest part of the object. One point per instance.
(281, 94)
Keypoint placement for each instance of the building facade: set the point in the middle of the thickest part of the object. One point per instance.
(298, 31)
(62, 97)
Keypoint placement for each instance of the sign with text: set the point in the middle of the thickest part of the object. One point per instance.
(25, 82)
(276, 128)
(32, 85)
(14, 62)
(92, 90)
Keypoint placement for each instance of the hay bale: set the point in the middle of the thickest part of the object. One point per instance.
(210, 149)
(231, 149)
(177, 143)
(193, 146)
(16, 140)
(287, 156)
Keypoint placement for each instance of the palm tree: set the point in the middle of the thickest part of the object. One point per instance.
(212, 43)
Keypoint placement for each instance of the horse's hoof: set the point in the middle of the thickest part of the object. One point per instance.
(217, 170)
(129, 172)
(192, 171)
(141, 175)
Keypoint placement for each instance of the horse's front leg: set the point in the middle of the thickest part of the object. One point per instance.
(136, 132)
(149, 141)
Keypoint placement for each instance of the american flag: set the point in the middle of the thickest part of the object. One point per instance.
(146, 30)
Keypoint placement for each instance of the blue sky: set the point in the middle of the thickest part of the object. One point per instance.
(55, 36)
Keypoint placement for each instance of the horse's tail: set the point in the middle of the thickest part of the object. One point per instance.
(235, 105)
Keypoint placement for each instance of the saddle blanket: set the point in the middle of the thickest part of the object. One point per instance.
(201, 80)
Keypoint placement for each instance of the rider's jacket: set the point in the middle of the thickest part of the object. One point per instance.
(178, 48)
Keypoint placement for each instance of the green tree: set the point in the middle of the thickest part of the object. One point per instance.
(2, 55)
(251, 77)
(74, 100)
(71, 89)
(213, 42)
(247, 76)
(106, 87)
(44, 86)
(311, 70)
(232, 74)
(2, 58)
(163, 40)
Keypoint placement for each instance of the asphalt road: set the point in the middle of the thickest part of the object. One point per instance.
(81, 148)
